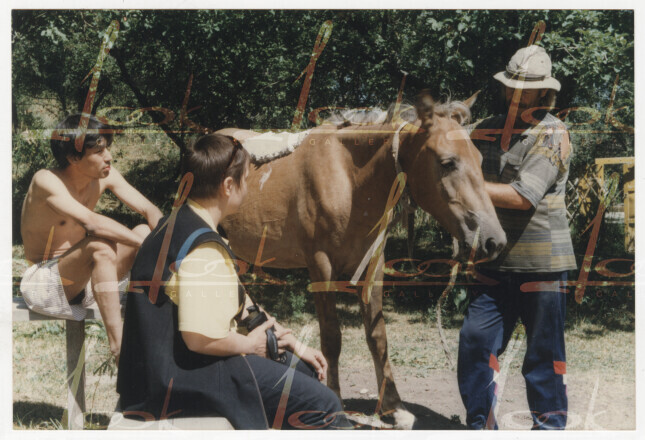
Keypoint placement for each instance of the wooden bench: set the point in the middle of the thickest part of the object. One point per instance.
(74, 417)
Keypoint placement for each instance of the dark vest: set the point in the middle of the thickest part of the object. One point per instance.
(159, 377)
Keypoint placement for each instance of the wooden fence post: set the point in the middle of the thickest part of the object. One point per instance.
(75, 333)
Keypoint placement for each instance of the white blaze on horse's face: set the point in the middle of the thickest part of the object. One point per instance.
(446, 180)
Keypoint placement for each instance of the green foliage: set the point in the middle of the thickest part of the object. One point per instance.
(283, 293)
(595, 60)
(246, 65)
(29, 155)
(96, 330)
(249, 78)
(297, 301)
(612, 305)
(46, 328)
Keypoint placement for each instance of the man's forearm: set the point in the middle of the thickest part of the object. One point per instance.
(104, 227)
(149, 211)
(153, 215)
(505, 196)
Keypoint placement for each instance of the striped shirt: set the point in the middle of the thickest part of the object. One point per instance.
(537, 167)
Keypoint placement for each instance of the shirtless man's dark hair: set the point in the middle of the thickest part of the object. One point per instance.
(64, 137)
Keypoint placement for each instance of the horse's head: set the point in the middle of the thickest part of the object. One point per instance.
(446, 180)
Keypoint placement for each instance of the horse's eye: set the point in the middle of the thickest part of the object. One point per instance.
(449, 164)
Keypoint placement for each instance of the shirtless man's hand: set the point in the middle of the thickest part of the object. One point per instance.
(58, 222)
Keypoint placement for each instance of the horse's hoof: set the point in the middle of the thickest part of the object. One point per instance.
(403, 419)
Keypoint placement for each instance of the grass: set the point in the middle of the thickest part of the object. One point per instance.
(40, 392)
(415, 351)
(43, 416)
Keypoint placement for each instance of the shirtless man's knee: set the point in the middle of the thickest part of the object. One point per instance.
(70, 244)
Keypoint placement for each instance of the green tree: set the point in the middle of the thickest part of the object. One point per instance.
(243, 68)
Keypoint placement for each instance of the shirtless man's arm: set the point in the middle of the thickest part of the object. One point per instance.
(56, 195)
(132, 198)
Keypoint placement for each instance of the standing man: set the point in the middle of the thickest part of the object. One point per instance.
(79, 256)
(526, 156)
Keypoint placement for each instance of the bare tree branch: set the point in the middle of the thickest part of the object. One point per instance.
(143, 100)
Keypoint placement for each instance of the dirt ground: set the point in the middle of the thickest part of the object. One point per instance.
(600, 383)
(600, 377)
(595, 402)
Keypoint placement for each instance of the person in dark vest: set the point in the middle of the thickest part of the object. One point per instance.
(183, 353)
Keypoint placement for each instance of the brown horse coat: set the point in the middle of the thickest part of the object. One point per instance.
(320, 203)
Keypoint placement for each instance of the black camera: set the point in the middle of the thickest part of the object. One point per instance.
(256, 318)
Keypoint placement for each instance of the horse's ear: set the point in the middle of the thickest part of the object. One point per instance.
(460, 110)
(425, 108)
(471, 101)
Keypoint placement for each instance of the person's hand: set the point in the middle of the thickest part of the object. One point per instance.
(116, 352)
(258, 338)
(314, 358)
(285, 338)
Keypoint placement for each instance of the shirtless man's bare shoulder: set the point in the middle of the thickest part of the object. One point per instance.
(49, 231)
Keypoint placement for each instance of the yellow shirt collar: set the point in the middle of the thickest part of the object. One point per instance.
(201, 212)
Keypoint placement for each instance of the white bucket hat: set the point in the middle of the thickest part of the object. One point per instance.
(529, 68)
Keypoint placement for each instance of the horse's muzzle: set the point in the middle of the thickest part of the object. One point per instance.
(481, 241)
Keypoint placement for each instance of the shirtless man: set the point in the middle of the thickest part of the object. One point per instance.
(78, 255)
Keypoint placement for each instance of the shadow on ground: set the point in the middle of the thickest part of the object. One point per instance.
(40, 415)
(425, 417)
(36, 414)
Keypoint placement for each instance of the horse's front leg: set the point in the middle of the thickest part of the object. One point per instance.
(320, 270)
(330, 336)
(374, 324)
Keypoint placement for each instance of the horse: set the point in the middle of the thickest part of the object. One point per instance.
(317, 207)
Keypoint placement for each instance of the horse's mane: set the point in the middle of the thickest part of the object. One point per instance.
(406, 112)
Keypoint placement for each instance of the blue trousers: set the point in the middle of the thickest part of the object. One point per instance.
(488, 325)
(307, 403)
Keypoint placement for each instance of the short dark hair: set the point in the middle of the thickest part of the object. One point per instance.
(212, 158)
(64, 137)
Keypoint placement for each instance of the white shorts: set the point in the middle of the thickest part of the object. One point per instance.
(42, 289)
